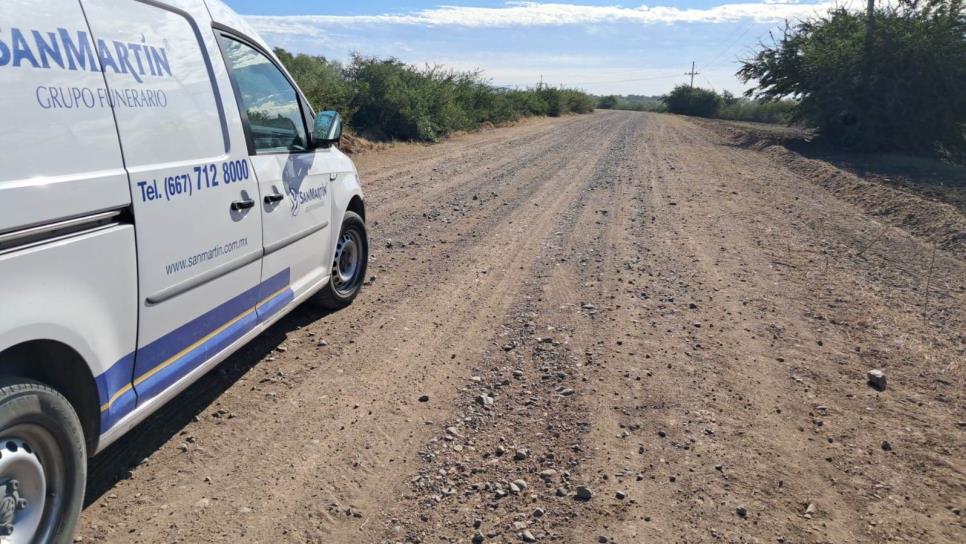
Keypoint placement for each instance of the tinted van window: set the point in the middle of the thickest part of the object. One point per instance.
(268, 99)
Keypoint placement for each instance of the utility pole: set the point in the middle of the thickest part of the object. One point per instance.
(692, 73)
(540, 86)
(868, 68)
(870, 28)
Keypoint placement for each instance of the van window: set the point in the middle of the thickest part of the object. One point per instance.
(270, 103)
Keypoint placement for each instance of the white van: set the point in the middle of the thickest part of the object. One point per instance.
(166, 194)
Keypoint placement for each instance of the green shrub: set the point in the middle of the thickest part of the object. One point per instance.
(322, 81)
(729, 106)
(695, 101)
(757, 111)
(388, 99)
(898, 89)
(608, 102)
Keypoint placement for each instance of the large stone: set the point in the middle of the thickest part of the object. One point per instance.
(877, 379)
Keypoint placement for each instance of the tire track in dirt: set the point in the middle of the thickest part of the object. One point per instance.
(513, 254)
(529, 372)
(397, 186)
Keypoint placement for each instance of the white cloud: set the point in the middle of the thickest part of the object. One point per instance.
(550, 14)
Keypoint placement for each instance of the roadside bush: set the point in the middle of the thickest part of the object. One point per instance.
(607, 102)
(528, 103)
(561, 101)
(387, 99)
(695, 101)
(641, 103)
(322, 81)
(899, 88)
(394, 100)
(578, 101)
(724, 106)
(757, 111)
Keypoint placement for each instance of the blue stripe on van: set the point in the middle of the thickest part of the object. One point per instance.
(273, 305)
(114, 391)
(162, 363)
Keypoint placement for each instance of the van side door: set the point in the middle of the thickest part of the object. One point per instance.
(67, 247)
(293, 178)
(194, 193)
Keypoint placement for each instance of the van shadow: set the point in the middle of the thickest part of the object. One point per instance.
(117, 462)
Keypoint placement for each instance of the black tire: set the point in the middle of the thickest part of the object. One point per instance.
(38, 416)
(339, 292)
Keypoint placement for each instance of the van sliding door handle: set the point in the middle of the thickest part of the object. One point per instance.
(239, 205)
(274, 199)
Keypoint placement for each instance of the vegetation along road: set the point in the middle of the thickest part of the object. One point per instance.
(618, 327)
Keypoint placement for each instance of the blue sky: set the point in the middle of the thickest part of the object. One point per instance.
(602, 46)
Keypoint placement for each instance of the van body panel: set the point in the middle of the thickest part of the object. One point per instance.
(295, 229)
(225, 16)
(199, 270)
(55, 97)
(293, 177)
(146, 408)
(57, 292)
(344, 188)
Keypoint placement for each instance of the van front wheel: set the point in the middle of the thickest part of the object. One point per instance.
(348, 265)
(43, 464)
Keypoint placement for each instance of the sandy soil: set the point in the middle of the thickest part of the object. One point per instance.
(622, 327)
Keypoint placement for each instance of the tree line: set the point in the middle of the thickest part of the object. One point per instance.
(700, 102)
(387, 99)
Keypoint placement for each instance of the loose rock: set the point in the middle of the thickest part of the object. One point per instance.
(877, 379)
(584, 493)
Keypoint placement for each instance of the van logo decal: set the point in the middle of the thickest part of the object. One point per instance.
(76, 52)
(313, 197)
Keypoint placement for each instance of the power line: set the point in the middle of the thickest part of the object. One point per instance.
(708, 81)
(733, 43)
(626, 80)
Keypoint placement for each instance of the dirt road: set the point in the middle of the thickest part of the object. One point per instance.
(607, 328)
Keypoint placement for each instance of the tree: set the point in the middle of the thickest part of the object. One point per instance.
(899, 89)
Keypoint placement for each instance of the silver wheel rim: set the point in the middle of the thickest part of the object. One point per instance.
(347, 264)
(25, 500)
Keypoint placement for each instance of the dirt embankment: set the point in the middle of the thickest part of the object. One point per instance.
(611, 328)
(913, 209)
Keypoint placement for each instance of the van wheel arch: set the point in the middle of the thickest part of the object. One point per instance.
(357, 206)
(61, 368)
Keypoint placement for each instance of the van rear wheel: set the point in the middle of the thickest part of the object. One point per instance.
(43, 464)
(348, 266)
